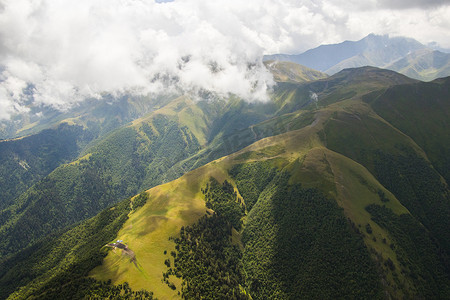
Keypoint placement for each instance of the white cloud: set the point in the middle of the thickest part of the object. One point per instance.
(69, 50)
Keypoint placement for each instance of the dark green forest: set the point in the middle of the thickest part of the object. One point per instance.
(205, 257)
(399, 166)
(408, 108)
(298, 244)
(417, 253)
(208, 262)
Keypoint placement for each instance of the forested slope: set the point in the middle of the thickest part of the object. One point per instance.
(25, 161)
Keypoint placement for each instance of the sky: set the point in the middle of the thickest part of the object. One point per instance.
(58, 53)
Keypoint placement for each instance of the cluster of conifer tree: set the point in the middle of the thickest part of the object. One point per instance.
(251, 179)
(205, 257)
(225, 202)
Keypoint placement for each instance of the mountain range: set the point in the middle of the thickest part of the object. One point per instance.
(400, 54)
(335, 188)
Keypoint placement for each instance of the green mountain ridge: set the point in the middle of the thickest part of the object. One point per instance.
(340, 195)
(291, 72)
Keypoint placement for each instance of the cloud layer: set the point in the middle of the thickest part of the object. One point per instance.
(60, 52)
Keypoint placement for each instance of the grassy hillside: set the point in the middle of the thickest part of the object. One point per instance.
(292, 108)
(148, 232)
(339, 199)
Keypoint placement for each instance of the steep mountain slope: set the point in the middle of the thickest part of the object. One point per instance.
(373, 50)
(408, 108)
(148, 152)
(157, 148)
(115, 167)
(342, 198)
(290, 110)
(423, 64)
(25, 161)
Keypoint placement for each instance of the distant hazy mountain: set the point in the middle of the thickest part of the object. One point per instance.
(400, 54)
(424, 64)
(372, 50)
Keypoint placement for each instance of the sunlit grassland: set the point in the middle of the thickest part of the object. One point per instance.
(147, 231)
